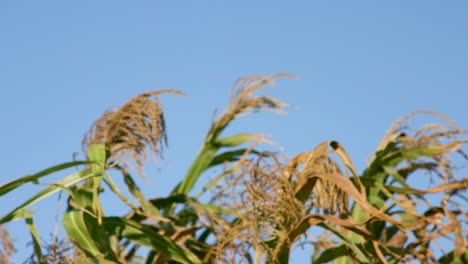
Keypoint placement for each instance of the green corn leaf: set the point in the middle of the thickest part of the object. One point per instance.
(146, 236)
(374, 193)
(353, 245)
(167, 201)
(90, 236)
(89, 221)
(201, 163)
(151, 257)
(230, 156)
(449, 258)
(146, 205)
(377, 163)
(82, 196)
(65, 182)
(213, 209)
(395, 174)
(343, 260)
(304, 192)
(331, 254)
(99, 154)
(74, 224)
(205, 235)
(35, 236)
(238, 139)
(463, 258)
(117, 191)
(5, 188)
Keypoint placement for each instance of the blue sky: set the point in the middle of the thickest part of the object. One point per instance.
(361, 65)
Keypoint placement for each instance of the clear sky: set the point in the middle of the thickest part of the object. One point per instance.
(361, 65)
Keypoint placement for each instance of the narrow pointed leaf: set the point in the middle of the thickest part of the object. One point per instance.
(331, 254)
(146, 205)
(99, 154)
(201, 163)
(230, 156)
(65, 182)
(353, 246)
(148, 237)
(5, 188)
(35, 236)
(238, 139)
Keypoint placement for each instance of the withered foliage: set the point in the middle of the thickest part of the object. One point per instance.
(59, 251)
(277, 202)
(6, 246)
(243, 102)
(440, 210)
(131, 128)
(265, 208)
(265, 204)
(440, 141)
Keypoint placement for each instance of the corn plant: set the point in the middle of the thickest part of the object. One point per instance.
(262, 204)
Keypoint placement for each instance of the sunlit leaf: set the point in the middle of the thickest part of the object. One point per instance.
(35, 236)
(7, 187)
(144, 235)
(74, 224)
(66, 182)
